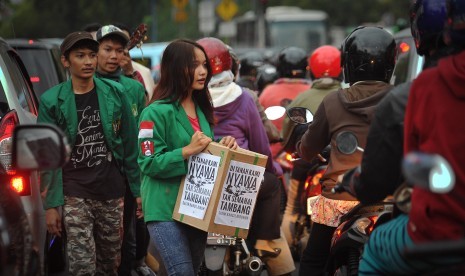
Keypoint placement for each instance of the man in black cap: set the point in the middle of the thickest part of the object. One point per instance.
(96, 118)
(113, 43)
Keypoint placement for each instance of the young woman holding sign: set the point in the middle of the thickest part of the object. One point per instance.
(174, 126)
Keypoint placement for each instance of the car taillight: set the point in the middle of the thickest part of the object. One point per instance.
(8, 123)
(35, 79)
(20, 185)
(404, 47)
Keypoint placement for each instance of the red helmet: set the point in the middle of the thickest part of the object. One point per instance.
(217, 53)
(325, 61)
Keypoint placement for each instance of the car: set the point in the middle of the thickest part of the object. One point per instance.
(42, 59)
(409, 63)
(34, 147)
(149, 55)
(18, 106)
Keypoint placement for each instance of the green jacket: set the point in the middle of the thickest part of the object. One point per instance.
(58, 107)
(135, 92)
(163, 169)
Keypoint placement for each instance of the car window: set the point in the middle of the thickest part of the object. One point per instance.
(40, 67)
(21, 83)
(4, 108)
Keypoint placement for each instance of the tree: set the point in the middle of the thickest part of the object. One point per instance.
(52, 18)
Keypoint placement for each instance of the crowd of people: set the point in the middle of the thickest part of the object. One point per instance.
(131, 141)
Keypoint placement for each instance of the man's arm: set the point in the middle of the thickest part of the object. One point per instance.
(317, 136)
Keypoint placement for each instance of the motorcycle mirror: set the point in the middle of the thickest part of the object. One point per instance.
(429, 171)
(275, 112)
(347, 143)
(300, 115)
(39, 146)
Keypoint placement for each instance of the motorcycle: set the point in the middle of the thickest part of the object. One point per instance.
(226, 255)
(356, 226)
(309, 186)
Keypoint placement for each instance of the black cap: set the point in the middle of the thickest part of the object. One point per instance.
(71, 39)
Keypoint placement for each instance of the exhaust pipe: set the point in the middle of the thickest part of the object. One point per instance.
(254, 266)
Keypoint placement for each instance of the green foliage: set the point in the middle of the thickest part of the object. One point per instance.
(56, 18)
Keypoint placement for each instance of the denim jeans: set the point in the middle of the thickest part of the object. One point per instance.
(180, 246)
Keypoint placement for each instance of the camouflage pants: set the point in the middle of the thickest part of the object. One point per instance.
(94, 233)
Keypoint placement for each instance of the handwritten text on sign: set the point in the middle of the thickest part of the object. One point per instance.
(239, 194)
(198, 185)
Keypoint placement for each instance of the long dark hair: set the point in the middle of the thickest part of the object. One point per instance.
(177, 75)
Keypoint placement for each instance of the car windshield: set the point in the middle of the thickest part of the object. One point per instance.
(408, 63)
(311, 34)
(39, 67)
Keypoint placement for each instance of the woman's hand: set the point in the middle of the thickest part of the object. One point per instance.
(199, 141)
(53, 220)
(229, 142)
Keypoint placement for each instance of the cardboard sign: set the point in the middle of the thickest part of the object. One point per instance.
(239, 194)
(198, 184)
(247, 169)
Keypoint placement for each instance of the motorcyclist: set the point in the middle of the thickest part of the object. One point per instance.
(270, 128)
(325, 71)
(436, 102)
(248, 70)
(267, 74)
(236, 115)
(368, 58)
(380, 172)
(292, 70)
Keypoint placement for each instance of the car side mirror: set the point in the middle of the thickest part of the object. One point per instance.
(39, 146)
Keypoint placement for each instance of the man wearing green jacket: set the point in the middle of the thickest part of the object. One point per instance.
(113, 43)
(97, 119)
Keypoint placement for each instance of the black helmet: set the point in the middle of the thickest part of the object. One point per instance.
(292, 63)
(267, 74)
(427, 19)
(368, 53)
(249, 64)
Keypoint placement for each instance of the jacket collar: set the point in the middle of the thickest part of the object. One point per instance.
(67, 105)
(181, 117)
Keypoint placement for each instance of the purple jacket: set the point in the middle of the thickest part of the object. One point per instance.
(241, 120)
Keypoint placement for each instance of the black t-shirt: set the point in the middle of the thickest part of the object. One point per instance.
(92, 171)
